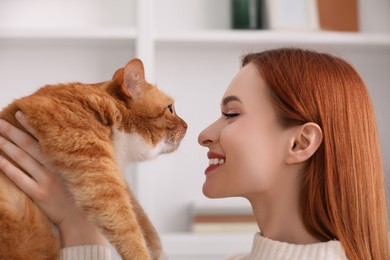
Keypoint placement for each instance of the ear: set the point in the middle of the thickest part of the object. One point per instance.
(304, 142)
(131, 78)
(118, 75)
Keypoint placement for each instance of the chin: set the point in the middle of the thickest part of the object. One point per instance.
(211, 193)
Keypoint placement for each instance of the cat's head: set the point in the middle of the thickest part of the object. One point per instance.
(150, 125)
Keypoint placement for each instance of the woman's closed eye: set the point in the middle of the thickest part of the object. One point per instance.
(230, 115)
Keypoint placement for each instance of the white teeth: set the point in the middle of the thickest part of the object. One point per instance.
(216, 161)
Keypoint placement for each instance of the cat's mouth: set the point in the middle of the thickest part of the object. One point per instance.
(172, 143)
(170, 147)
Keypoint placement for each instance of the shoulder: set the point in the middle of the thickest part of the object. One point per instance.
(265, 248)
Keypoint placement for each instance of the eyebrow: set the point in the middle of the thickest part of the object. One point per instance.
(228, 99)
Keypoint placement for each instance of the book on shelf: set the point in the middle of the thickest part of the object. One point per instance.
(333, 15)
(222, 218)
(248, 14)
(338, 15)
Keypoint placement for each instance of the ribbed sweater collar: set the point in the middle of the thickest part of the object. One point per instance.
(265, 248)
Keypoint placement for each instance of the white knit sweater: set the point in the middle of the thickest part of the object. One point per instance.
(85, 253)
(91, 252)
(265, 248)
(262, 248)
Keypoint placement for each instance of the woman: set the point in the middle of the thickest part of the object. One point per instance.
(297, 137)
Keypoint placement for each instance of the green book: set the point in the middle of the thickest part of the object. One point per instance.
(247, 14)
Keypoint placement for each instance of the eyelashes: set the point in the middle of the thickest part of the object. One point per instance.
(230, 115)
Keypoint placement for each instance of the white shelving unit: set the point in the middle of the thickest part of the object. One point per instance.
(96, 34)
(190, 52)
(226, 37)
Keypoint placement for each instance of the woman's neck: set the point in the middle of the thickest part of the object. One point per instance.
(286, 227)
(278, 216)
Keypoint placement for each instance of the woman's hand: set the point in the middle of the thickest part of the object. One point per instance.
(44, 187)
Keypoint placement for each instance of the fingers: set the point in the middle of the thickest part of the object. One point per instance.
(23, 159)
(23, 181)
(20, 138)
(22, 120)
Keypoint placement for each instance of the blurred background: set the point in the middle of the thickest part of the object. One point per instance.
(191, 50)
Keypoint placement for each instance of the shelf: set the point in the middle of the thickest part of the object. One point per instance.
(96, 34)
(365, 40)
(276, 37)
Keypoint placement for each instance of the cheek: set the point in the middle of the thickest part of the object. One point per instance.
(253, 157)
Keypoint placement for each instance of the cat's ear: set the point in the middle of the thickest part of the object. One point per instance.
(131, 78)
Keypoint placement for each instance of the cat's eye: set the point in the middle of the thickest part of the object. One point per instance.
(170, 108)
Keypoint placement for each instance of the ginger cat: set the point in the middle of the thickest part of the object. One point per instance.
(86, 132)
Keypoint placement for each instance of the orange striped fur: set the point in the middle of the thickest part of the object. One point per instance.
(87, 132)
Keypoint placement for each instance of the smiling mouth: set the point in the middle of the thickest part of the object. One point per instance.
(216, 161)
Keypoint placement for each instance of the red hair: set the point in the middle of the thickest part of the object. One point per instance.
(342, 194)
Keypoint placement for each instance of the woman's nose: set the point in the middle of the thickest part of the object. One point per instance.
(209, 135)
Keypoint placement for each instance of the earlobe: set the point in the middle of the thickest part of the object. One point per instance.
(304, 142)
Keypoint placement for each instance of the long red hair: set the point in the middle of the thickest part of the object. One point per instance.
(342, 194)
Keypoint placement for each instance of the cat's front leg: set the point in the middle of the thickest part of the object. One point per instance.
(103, 197)
(86, 162)
(151, 236)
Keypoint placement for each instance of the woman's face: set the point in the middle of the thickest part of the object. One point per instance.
(246, 144)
